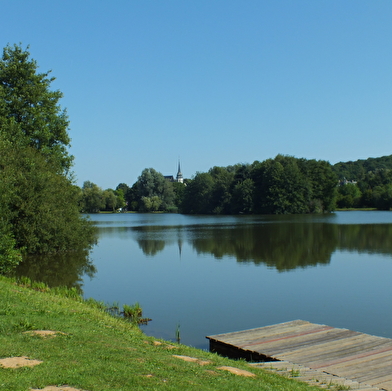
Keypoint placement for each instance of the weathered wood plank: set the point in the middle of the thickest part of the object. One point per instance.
(385, 385)
(348, 354)
(331, 349)
(302, 342)
(344, 357)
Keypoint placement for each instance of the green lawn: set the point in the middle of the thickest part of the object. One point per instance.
(99, 352)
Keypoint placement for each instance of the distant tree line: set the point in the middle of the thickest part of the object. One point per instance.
(356, 171)
(283, 185)
(365, 183)
(152, 192)
(373, 190)
(94, 199)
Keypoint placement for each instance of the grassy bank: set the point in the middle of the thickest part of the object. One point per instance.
(94, 351)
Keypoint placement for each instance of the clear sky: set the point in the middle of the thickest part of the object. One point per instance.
(212, 82)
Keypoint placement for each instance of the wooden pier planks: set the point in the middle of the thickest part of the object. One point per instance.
(340, 352)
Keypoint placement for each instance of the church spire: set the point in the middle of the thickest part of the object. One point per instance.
(179, 178)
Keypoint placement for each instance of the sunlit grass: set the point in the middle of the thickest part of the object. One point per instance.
(99, 352)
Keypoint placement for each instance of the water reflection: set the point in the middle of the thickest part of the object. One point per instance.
(369, 238)
(280, 246)
(214, 274)
(283, 247)
(151, 247)
(58, 269)
(282, 243)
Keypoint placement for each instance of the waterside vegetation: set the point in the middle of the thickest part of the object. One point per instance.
(283, 185)
(39, 201)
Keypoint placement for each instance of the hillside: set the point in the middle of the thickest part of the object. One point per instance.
(355, 171)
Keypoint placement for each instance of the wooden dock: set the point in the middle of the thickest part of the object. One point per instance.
(343, 353)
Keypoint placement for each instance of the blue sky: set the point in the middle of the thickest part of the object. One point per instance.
(212, 82)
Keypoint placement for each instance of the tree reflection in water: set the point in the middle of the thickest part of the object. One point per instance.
(281, 246)
(58, 269)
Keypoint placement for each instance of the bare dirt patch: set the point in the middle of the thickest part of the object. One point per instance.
(55, 388)
(237, 371)
(18, 362)
(171, 347)
(167, 346)
(44, 333)
(192, 359)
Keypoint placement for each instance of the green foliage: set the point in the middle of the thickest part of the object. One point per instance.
(198, 194)
(179, 191)
(276, 186)
(372, 191)
(92, 198)
(242, 201)
(134, 313)
(10, 257)
(31, 115)
(323, 184)
(349, 196)
(356, 170)
(221, 192)
(120, 199)
(132, 197)
(150, 204)
(383, 197)
(39, 202)
(281, 187)
(152, 192)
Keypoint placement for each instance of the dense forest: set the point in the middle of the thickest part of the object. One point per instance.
(365, 183)
(281, 185)
(356, 171)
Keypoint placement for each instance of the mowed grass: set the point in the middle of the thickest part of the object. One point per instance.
(98, 352)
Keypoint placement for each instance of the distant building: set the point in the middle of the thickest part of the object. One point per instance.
(344, 181)
(179, 178)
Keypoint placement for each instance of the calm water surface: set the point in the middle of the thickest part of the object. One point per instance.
(213, 275)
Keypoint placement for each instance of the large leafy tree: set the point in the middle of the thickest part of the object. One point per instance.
(242, 201)
(221, 194)
(242, 189)
(39, 205)
(93, 199)
(281, 187)
(198, 194)
(30, 114)
(323, 182)
(39, 201)
(154, 192)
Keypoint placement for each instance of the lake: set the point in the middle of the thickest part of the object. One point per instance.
(216, 274)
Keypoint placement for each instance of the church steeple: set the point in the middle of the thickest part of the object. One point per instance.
(179, 177)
